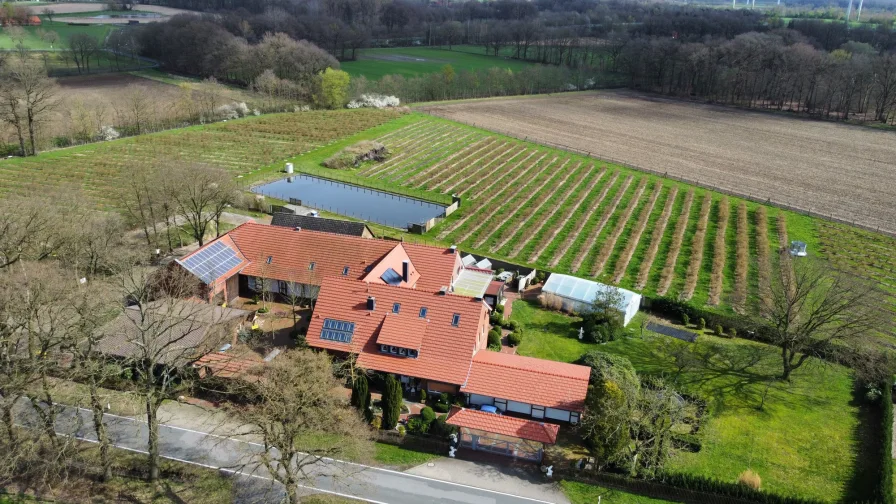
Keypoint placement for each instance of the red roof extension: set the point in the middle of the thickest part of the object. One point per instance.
(529, 380)
(504, 425)
(292, 253)
(445, 350)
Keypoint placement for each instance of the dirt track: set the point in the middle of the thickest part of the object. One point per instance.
(847, 172)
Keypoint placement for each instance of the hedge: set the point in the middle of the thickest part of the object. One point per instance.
(884, 491)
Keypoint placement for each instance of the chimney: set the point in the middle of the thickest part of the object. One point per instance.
(453, 248)
(443, 290)
(405, 267)
(298, 228)
(371, 303)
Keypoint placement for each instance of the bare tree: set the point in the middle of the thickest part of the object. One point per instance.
(156, 331)
(82, 47)
(27, 96)
(29, 227)
(49, 13)
(813, 308)
(301, 422)
(201, 195)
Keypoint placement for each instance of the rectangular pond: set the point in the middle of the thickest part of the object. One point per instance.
(352, 201)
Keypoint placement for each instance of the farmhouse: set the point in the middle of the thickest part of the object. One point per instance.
(437, 341)
(577, 295)
(285, 260)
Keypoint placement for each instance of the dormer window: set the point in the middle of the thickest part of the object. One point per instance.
(412, 354)
(423, 311)
(455, 319)
(402, 351)
(345, 271)
(393, 349)
(396, 307)
(311, 266)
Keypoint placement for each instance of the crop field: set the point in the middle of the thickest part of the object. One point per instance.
(827, 168)
(411, 61)
(242, 146)
(554, 210)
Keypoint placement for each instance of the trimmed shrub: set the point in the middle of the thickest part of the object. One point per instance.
(496, 319)
(515, 339)
(442, 407)
(423, 395)
(685, 319)
(720, 331)
(702, 324)
(750, 478)
(494, 338)
(416, 425)
(427, 415)
(513, 325)
(401, 430)
(732, 332)
(444, 398)
(499, 309)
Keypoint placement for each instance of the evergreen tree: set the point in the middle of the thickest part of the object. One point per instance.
(360, 393)
(391, 403)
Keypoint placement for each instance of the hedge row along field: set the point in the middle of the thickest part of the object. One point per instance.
(241, 146)
(554, 210)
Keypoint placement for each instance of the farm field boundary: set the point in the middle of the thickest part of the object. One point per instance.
(826, 170)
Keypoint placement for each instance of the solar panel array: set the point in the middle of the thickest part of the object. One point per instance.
(391, 277)
(337, 330)
(211, 262)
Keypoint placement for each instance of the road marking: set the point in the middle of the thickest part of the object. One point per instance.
(332, 460)
(232, 471)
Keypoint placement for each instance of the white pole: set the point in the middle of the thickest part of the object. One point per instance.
(859, 13)
(848, 12)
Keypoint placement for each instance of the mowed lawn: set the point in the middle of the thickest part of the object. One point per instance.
(412, 61)
(800, 438)
(33, 41)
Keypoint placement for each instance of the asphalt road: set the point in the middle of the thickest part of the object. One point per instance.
(239, 458)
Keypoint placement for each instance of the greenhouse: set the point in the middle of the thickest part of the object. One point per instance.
(578, 294)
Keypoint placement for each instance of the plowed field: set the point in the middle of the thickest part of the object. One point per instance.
(841, 171)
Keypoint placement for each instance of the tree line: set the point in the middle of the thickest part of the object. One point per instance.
(779, 70)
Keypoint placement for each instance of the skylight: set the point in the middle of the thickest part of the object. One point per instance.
(455, 319)
(396, 307)
(423, 311)
(311, 266)
(345, 271)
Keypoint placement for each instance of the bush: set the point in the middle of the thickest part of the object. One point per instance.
(444, 398)
(401, 430)
(423, 395)
(750, 478)
(377, 422)
(263, 310)
(427, 415)
(685, 319)
(494, 338)
(515, 339)
(353, 155)
(416, 425)
(442, 407)
(720, 331)
(702, 324)
(513, 325)
(499, 309)
(496, 319)
(732, 332)
(441, 428)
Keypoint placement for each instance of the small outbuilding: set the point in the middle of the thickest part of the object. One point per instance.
(577, 295)
(502, 435)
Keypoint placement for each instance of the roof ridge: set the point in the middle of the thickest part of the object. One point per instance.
(408, 289)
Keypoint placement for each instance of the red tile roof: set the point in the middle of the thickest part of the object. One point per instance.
(445, 351)
(227, 366)
(404, 332)
(529, 380)
(494, 288)
(292, 253)
(504, 425)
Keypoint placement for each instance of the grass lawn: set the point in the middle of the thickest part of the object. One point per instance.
(65, 30)
(581, 493)
(802, 437)
(412, 61)
(392, 455)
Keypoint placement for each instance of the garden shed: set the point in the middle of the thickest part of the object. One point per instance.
(578, 294)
